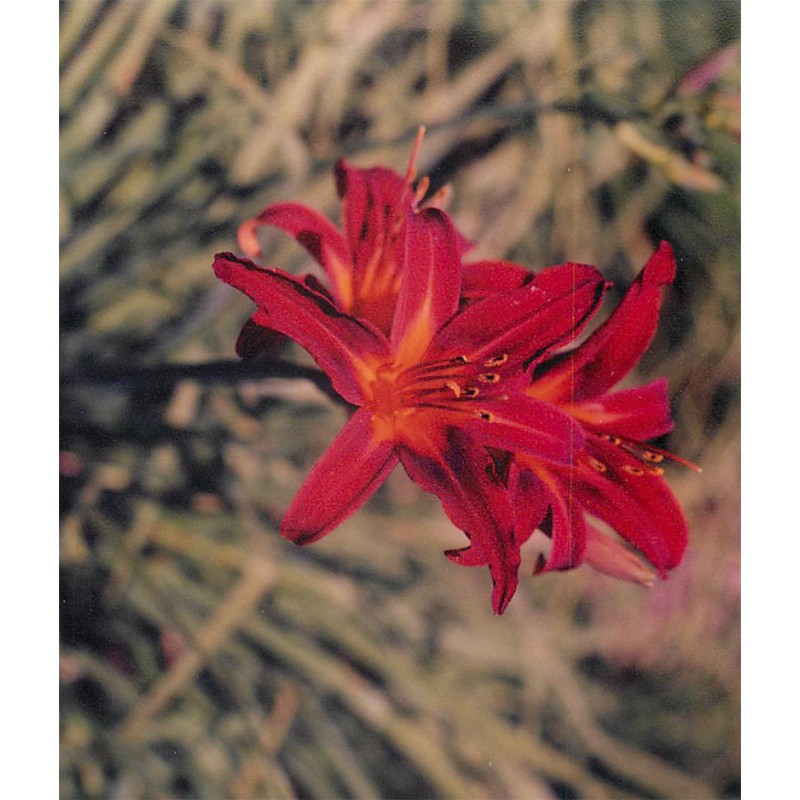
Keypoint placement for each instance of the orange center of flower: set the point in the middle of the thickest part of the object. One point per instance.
(448, 385)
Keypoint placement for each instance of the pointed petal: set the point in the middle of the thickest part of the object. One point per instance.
(470, 556)
(345, 348)
(523, 424)
(430, 285)
(640, 413)
(317, 234)
(613, 557)
(526, 323)
(462, 476)
(612, 351)
(344, 477)
(635, 502)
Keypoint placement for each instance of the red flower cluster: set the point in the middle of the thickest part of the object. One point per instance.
(462, 373)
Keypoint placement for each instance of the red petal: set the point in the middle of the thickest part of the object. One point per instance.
(483, 278)
(430, 286)
(470, 556)
(612, 351)
(344, 477)
(372, 203)
(616, 559)
(636, 503)
(531, 501)
(462, 476)
(320, 237)
(565, 525)
(258, 338)
(527, 323)
(526, 425)
(641, 413)
(345, 348)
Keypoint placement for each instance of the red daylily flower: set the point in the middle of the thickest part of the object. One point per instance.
(616, 477)
(436, 391)
(363, 262)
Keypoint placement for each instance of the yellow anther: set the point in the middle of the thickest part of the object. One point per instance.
(632, 470)
(454, 388)
(598, 465)
(471, 391)
(653, 458)
(615, 440)
(486, 415)
(656, 470)
(496, 361)
(489, 377)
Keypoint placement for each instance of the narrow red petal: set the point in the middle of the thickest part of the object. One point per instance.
(531, 500)
(612, 351)
(640, 413)
(528, 323)
(344, 477)
(523, 424)
(462, 476)
(613, 557)
(431, 283)
(564, 524)
(345, 348)
(483, 278)
(321, 239)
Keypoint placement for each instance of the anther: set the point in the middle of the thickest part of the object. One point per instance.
(632, 470)
(496, 361)
(486, 415)
(471, 391)
(656, 470)
(461, 360)
(653, 458)
(454, 388)
(615, 440)
(489, 377)
(598, 465)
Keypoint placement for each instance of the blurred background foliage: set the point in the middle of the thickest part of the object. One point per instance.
(202, 656)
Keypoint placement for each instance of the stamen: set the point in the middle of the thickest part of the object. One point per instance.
(496, 361)
(649, 454)
(461, 360)
(422, 189)
(632, 470)
(655, 455)
(453, 387)
(411, 172)
(489, 377)
(471, 391)
(486, 415)
(430, 368)
(598, 465)
(656, 470)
